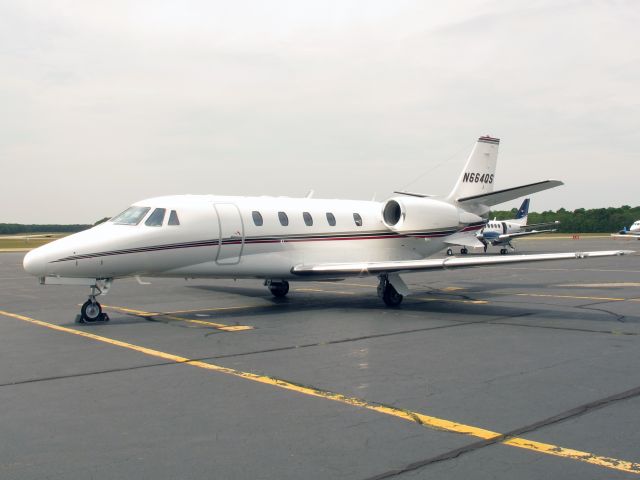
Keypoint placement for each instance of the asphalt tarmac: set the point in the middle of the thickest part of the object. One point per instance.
(523, 371)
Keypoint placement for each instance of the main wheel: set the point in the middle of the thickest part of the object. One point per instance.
(279, 289)
(503, 251)
(464, 251)
(91, 311)
(391, 297)
(449, 251)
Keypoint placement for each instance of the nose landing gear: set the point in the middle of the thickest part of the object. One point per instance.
(91, 311)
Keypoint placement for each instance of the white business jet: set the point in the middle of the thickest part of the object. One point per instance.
(279, 239)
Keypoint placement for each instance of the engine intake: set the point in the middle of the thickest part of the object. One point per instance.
(392, 213)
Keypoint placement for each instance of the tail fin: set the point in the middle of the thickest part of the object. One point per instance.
(478, 175)
(523, 212)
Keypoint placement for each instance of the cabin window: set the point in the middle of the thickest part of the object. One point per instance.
(131, 216)
(173, 218)
(284, 220)
(156, 218)
(308, 219)
(257, 218)
(358, 219)
(331, 219)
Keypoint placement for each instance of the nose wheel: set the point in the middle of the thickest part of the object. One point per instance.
(91, 310)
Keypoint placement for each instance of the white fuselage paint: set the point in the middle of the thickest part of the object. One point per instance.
(217, 238)
(494, 228)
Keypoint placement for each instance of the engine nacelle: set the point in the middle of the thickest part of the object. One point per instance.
(415, 214)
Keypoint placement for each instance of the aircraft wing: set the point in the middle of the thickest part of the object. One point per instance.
(509, 236)
(536, 225)
(464, 239)
(404, 266)
(500, 196)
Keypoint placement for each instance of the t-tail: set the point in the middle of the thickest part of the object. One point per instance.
(523, 213)
(478, 175)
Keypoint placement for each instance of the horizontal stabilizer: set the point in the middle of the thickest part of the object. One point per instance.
(500, 196)
(413, 194)
(362, 269)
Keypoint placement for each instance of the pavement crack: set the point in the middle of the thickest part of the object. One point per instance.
(590, 306)
(472, 447)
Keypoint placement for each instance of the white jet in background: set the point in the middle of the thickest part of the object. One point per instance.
(279, 239)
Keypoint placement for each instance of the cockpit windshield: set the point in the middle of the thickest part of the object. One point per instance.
(131, 216)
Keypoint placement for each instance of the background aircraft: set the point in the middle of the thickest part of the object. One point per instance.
(280, 239)
(634, 229)
(500, 233)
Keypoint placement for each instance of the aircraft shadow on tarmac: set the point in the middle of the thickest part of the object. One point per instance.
(439, 302)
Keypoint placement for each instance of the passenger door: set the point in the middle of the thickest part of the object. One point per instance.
(231, 234)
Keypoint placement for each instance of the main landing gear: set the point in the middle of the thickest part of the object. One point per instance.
(504, 251)
(91, 310)
(387, 293)
(277, 289)
(463, 251)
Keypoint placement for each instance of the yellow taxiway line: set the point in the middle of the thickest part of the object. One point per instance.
(219, 326)
(414, 417)
(316, 290)
(452, 300)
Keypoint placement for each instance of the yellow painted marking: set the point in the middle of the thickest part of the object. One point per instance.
(215, 309)
(363, 285)
(453, 300)
(601, 285)
(578, 297)
(219, 326)
(322, 291)
(581, 237)
(452, 289)
(415, 417)
(615, 270)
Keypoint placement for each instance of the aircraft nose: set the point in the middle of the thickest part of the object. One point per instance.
(34, 263)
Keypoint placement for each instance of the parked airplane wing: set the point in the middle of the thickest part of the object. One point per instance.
(404, 266)
(508, 236)
(536, 225)
(500, 196)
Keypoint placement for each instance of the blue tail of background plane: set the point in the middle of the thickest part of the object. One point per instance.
(524, 210)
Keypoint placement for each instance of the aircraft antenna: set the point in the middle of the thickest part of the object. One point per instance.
(465, 148)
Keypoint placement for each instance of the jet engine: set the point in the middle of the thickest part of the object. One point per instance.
(417, 214)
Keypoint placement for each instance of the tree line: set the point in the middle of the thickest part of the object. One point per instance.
(597, 220)
(18, 228)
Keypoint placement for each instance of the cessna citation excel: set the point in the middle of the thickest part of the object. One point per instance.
(281, 239)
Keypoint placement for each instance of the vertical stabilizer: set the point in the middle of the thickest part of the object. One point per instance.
(478, 175)
(523, 213)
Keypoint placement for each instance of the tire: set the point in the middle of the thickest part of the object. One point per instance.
(464, 251)
(449, 252)
(503, 251)
(391, 297)
(280, 289)
(91, 311)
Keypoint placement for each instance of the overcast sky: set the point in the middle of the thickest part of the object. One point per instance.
(103, 103)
